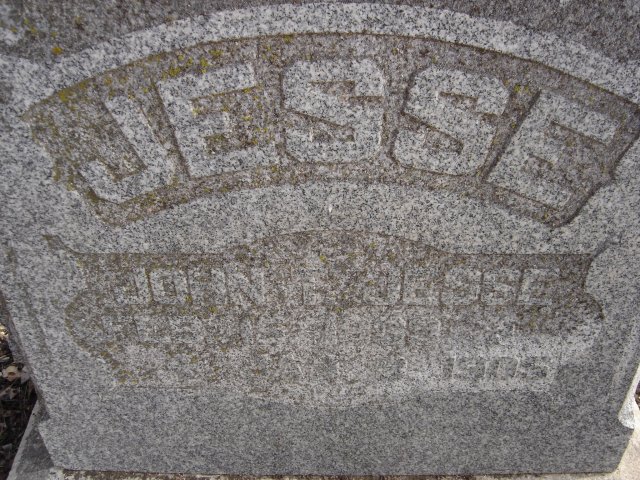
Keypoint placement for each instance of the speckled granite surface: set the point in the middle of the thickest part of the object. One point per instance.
(324, 239)
(33, 463)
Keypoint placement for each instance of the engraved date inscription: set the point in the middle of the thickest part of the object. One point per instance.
(334, 317)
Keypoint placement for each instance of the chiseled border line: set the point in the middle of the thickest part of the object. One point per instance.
(384, 19)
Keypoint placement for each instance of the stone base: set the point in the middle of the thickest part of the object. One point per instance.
(33, 462)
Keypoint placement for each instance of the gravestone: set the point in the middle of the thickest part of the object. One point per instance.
(339, 239)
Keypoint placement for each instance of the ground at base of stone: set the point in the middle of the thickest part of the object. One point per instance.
(17, 398)
(32, 462)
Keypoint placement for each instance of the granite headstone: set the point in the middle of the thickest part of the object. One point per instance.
(323, 239)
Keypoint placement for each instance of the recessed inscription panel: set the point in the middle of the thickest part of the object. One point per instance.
(364, 108)
(334, 318)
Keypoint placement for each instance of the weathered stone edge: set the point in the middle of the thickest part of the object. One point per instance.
(444, 25)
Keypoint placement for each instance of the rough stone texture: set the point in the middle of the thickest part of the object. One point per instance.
(33, 463)
(35, 27)
(324, 239)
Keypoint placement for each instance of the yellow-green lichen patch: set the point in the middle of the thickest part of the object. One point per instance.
(56, 171)
(204, 65)
(31, 28)
(92, 197)
(65, 95)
